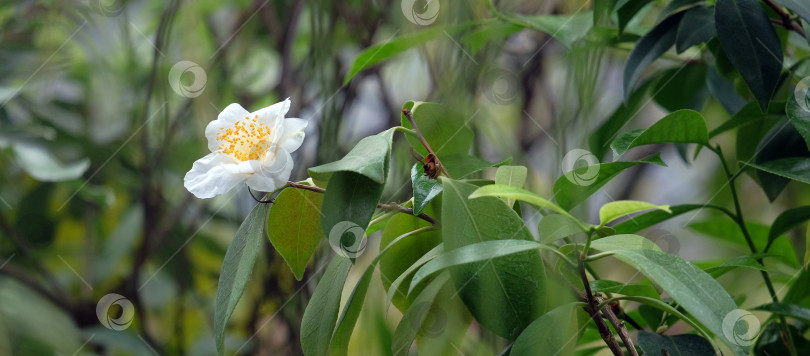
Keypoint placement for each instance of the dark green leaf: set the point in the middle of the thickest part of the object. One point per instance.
(676, 6)
(749, 40)
(686, 126)
(413, 319)
(322, 310)
(782, 141)
(748, 261)
(606, 286)
(601, 138)
(568, 193)
(556, 330)
(697, 26)
(791, 310)
(236, 269)
(799, 113)
(348, 205)
(514, 285)
(648, 49)
(723, 90)
(683, 87)
(749, 114)
(651, 218)
(294, 227)
(397, 288)
(696, 291)
(626, 10)
(424, 188)
(728, 230)
(685, 344)
(564, 28)
(771, 341)
(786, 221)
(796, 168)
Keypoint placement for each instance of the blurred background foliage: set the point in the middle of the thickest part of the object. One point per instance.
(94, 143)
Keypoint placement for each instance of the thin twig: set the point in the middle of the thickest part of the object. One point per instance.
(787, 22)
(620, 328)
(593, 311)
(386, 207)
(409, 115)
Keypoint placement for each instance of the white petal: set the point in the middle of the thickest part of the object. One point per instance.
(272, 114)
(211, 176)
(226, 119)
(274, 172)
(293, 134)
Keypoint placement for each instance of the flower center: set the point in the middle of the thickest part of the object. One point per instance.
(247, 140)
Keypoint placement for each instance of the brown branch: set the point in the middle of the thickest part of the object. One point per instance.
(593, 311)
(409, 115)
(386, 207)
(619, 326)
(787, 22)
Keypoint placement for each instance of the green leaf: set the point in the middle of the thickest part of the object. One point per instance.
(322, 310)
(515, 285)
(685, 126)
(568, 193)
(514, 176)
(41, 164)
(723, 90)
(400, 257)
(236, 269)
(747, 261)
(564, 28)
(796, 168)
(606, 286)
(482, 35)
(444, 129)
(378, 53)
(614, 210)
(800, 7)
(601, 138)
(786, 221)
(697, 26)
(626, 10)
(651, 218)
(781, 142)
(696, 291)
(462, 164)
(424, 188)
(369, 157)
(412, 321)
(294, 227)
(749, 40)
(771, 341)
(348, 205)
(648, 48)
(683, 87)
(676, 6)
(799, 113)
(556, 330)
(553, 227)
(478, 252)
(351, 311)
(685, 344)
(749, 114)
(404, 277)
(505, 191)
(791, 310)
(728, 230)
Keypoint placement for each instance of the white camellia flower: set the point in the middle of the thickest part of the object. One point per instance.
(247, 147)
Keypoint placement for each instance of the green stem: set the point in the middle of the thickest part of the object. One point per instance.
(740, 220)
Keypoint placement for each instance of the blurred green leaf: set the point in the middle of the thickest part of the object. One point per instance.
(749, 40)
(695, 290)
(398, 285)
(722, 89)
(749, 114)
(796, 168)
(236, 269)
(564, 28)
(294, 227)
(697, 26)
(569, 194)
(601, 138)
(514, 176)
(322, 310)
(801, 8)
(728, 230)
(412, 320)
(443, 128)
(686, 126)
(627, 9)
(606, 286)
(642, 221)
(556, 330)
(748, 261)
(683, 87)
(392, 47)
(791, 310)
(553, 227)
(799, 113)
(786, 221)
(369, 157)
(43, 166)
